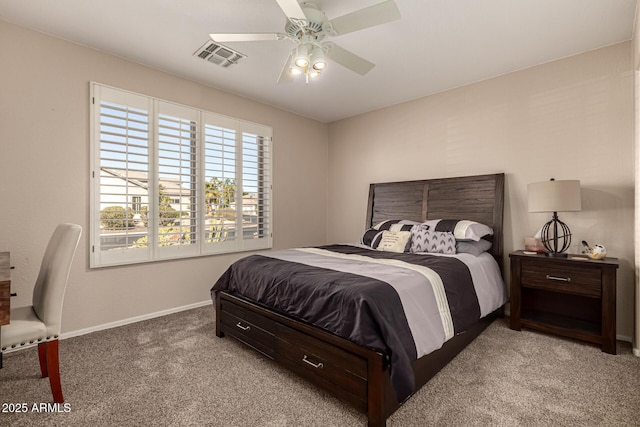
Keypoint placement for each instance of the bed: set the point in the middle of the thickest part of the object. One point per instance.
(373, 373)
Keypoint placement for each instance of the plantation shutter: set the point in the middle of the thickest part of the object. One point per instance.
(176, 212)
(171, 181)
(220, 160)
(123, 134)
(256, 186)
(238, 184)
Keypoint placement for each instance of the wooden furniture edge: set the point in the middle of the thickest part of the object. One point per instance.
(5, 287)
(5, 292)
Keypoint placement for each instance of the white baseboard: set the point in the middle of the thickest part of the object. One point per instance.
(636, 352)
(122, 322)
(133, 320)
(623, 338)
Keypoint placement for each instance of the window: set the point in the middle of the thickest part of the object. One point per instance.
(136, 202)
(170, 181)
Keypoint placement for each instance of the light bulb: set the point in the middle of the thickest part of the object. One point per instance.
(319, 65)
(317, 59)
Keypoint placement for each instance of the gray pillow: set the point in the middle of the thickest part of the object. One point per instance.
(472, 247)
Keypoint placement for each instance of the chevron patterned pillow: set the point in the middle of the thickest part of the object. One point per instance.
(425, 240)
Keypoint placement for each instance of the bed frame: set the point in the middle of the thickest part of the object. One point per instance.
(352, 373)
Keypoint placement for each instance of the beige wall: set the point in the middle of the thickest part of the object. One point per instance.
(44, 175)
(636, 68)
(568, 119)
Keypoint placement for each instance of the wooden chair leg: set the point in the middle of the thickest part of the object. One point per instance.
(49, 351)
(42, 356)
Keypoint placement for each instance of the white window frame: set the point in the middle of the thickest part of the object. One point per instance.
(154, 252)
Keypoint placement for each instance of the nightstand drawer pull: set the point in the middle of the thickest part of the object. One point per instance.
(244, 328)
(560, 279)
(315, 365)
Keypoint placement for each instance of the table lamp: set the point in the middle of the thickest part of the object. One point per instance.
(555, 196)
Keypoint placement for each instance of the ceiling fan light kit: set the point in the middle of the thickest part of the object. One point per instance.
(308, 27)
(306, 64)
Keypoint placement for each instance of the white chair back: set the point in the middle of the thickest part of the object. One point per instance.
(48, 293)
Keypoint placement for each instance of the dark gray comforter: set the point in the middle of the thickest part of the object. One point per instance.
(365, 296)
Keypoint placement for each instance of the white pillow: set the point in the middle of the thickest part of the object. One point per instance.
(461, 229)
(394, 241)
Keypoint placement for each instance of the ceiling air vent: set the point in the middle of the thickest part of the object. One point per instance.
(220, 55)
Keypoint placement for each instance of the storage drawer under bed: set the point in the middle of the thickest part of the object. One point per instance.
(330, 367)
(250, 328)
(341, 372)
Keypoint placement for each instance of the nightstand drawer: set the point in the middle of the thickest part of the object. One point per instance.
(562, 278)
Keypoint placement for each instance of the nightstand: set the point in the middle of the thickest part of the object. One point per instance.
(574, 297)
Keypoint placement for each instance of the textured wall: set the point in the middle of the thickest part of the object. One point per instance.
(568, 119)
(44, 175)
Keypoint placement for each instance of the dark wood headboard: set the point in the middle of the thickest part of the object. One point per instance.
(477, 198)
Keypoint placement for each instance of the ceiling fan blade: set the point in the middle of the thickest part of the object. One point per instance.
(349, 60)
(285, 75)
(291, 8)
(371, 16)
(249, 37)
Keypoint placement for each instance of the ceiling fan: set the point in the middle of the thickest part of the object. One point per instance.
(309, 28)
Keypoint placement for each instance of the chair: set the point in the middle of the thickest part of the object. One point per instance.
(40, 323)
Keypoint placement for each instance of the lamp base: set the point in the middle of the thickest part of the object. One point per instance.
(556, 254)
(556, 237)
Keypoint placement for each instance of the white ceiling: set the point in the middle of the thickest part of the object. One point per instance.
(435, 46)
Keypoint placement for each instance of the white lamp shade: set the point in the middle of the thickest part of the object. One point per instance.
(555, 196)
(302, 56)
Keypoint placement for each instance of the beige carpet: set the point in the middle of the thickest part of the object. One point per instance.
(174, 371)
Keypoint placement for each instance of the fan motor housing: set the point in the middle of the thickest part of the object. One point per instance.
(314, 26)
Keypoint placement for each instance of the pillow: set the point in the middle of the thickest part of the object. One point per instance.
(372, 236)
(425, 240)
(461, 229)
(471, 247)
(394, 241)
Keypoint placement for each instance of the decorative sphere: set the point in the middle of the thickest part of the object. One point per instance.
(597, 252)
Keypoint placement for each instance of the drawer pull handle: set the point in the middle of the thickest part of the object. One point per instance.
(560, 279)
(315, 365)
(244, 328)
